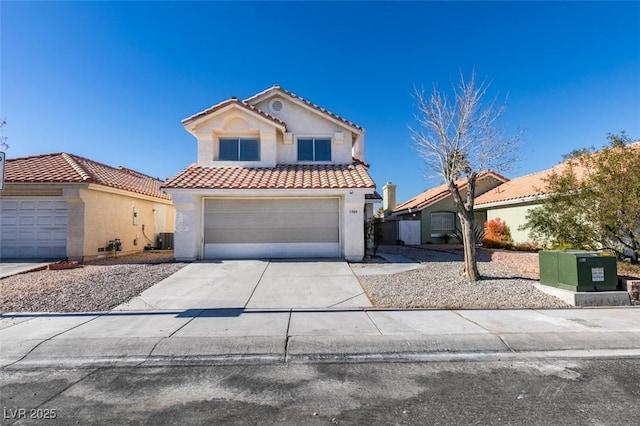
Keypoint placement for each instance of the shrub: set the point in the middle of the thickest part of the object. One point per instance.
(478, 235)
(497, 234)
(526, 247)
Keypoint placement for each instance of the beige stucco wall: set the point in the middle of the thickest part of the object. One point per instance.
(235, 122)
(189, 220)
(108, 214)
(97, 214)
(276, 147)
(302, 122)
(514, 217)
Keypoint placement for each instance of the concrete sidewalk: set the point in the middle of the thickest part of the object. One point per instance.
(232, 335)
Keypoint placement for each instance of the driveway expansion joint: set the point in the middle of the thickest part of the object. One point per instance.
(257, 283)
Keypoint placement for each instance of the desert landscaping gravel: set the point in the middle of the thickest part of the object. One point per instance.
(508, 282)
(98, 286)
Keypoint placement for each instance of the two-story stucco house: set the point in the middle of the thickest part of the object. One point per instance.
(276, 176)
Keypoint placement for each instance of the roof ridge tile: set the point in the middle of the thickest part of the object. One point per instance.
(70, 168)
(278, 88)
(236, 101)
(84, 174)
(282, 176)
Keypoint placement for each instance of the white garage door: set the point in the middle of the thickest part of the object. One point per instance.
(33, 228)
(271, 228)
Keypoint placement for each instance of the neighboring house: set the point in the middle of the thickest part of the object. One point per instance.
(276, 176)
(512, 200)
(431, 217)
(58, 206)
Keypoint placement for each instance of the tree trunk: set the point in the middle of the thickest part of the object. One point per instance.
(469, 243)
(465, 214)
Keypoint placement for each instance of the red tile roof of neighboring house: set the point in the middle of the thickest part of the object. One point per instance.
(284, 176)
(438, 193)
(276, 88)
(524, 187)
(530, 186)
(231, 101)
(69, 168)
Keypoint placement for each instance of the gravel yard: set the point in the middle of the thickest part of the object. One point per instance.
(507, 282)
(98, 286)
(508, 279)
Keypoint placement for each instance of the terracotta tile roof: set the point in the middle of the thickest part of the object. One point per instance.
(524, 187)
(276, 88)
(69, 168)
(231, 101)
(285, 176)
(424, 199)
(438, 193)
(530, 186)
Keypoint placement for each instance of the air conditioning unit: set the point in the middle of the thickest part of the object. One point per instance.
(165, 241)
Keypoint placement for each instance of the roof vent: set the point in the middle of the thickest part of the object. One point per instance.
(276, 105)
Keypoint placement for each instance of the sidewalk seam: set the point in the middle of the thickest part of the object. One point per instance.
(155, 345)
(504, 342)
(373, 322)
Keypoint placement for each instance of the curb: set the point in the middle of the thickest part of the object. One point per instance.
(406, 357)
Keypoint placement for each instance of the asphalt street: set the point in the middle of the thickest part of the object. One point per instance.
(536, 392)
(177, 355)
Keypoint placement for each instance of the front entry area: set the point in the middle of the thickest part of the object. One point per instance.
(241, 228)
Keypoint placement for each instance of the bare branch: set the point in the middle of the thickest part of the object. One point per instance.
(3, 138)
(459, 135)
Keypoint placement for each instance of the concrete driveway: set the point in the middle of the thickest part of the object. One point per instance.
(256, 284)
(14, 267)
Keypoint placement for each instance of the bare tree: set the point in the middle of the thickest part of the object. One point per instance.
(3, 138)
(458, 137)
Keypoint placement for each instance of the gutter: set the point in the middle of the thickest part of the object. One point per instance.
(514, 201)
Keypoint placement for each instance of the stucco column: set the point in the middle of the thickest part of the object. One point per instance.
(206, 149)
(188, 233)
(268, 147)
(353, 225)
(75, 225)
(358, 147)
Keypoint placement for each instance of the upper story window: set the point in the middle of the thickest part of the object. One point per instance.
(239, 149)
(314, 149)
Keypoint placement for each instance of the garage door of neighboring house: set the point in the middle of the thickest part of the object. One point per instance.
(33, 228)
(271, 228)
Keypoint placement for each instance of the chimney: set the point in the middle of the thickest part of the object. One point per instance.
(388, 198)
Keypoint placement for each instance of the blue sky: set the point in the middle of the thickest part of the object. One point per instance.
(112, 80)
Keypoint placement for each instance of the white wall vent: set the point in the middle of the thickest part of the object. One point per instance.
(276, 105)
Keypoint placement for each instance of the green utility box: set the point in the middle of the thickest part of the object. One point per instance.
(578, 270)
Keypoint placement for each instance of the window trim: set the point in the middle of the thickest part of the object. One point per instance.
(314, 139)
(443, 214)
(239, 140)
